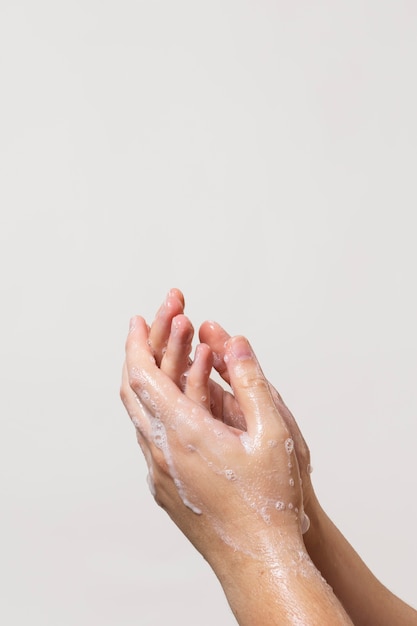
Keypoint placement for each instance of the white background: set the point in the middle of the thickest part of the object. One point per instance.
(259, 155)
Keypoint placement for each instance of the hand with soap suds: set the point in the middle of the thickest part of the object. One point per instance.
(235, 494)
(170, 337)
(256, 470)
(364, 597)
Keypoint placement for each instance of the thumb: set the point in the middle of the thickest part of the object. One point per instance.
(251, 390)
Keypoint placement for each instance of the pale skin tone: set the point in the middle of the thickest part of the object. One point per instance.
(240, 499)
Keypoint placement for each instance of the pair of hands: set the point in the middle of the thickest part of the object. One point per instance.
(229, 467)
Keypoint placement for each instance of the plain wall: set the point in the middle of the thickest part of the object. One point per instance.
(259, 155)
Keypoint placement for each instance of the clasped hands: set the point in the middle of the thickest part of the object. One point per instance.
(230, 466)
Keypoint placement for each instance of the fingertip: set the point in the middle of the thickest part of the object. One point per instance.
(239, 348)
(211, 330)
(137, 322)
(172, 305)
(177, 294)
(182, 324)
(138, 331)
(203, 351)
(211, 324)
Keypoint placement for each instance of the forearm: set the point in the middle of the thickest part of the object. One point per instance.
(282, 588)
(364, 597)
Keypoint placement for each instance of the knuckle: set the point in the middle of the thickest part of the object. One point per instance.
(256, 383)
(163, 468)
(141, 430)
(135, 378)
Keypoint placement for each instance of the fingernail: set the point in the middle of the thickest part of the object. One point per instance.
(132, 324)
(171, 296)
(240, 348)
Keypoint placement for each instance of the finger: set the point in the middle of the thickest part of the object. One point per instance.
(215, 336)
(175, 361)
(144, 436)
(216, 400)
(251, 390)
(169, 409)
(223, 406)
(198, 376)
(161, 326)
(158, 394)
(232, 413)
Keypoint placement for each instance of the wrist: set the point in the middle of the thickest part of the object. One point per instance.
(277, 585)
(256, 584)
(262, 549)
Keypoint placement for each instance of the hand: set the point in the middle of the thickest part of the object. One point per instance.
(215, 336)
(193, 445)
(220, 485)
(225, 470)
(170, 337)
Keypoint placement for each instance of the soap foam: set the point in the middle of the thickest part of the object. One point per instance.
(247, 441)
(289, 445)
(160, 440)
(230, 475)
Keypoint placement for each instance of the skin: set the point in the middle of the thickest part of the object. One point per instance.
(203, 424)
(218, 487)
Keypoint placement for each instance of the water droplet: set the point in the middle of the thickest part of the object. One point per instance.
(291, 482)
(265, 515)
(183, 379)
(280, 506)
(305, 523)
(289, 445)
